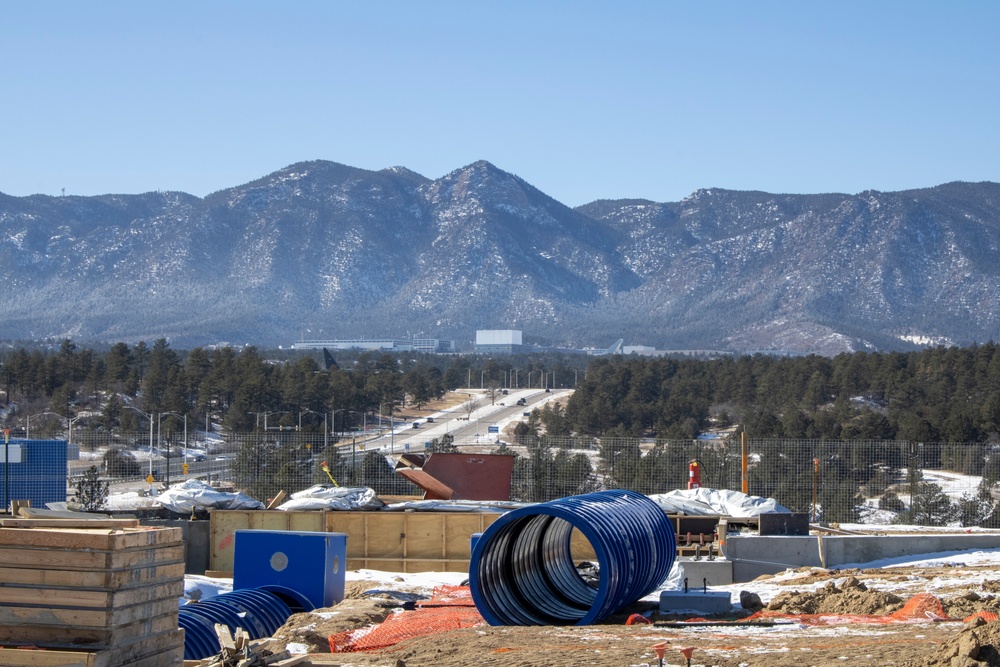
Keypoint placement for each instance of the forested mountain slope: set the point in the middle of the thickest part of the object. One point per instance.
(345, 252)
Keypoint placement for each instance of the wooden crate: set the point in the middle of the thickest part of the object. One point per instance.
(113, 591)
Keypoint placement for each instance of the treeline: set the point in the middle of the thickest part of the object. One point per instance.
(243, 388)
(935, 395)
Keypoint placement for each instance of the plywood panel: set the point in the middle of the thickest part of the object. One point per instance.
(385, 534)
(313, 522)
(580, 547)
(270, 520)
(353, 525)
(425, 535)
(224, 525)
(459, 529)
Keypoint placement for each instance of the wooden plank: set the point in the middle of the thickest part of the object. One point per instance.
(69, 523)
(104, 579)
(70, 597)
(89, 638)
(96, 538)
(277, 500)
(157, 651)
(90, 559)
(85, 618)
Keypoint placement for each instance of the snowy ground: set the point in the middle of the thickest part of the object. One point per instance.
(201, 587)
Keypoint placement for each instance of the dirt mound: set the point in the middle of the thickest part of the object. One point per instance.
(967, 604)
(977, 645)
(363, 606)
(851, 597)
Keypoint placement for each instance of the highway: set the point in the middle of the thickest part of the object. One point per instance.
(466, 428)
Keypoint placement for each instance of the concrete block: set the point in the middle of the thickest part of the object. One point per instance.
(715, 572)
(710, 602)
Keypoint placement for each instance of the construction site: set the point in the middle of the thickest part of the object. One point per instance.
(462, 570)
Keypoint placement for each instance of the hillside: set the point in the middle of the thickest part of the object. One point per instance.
(328, 250)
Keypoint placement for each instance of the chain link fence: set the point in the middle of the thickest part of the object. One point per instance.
(874, 482)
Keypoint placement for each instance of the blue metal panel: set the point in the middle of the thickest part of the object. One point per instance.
(38, 474)
(310, 564)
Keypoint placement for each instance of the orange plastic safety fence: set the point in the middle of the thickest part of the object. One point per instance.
(449, 596)
(450, 608)
(922, 607)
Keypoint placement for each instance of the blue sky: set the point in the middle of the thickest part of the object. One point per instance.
(584, 100)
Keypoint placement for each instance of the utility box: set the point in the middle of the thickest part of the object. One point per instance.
(304, 568)
(33, 470)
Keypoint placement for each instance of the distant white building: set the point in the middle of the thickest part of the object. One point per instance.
(428, 345)
(498, 341)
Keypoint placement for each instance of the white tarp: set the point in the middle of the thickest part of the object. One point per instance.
(456, 505)
(329, 497)
(709, 502)
(184, 498)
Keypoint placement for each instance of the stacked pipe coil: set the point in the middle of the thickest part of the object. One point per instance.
(259, 611)
(522, 570)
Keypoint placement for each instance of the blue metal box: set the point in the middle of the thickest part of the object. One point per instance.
(304, 567)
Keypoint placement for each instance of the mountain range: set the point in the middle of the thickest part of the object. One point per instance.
(323, 250)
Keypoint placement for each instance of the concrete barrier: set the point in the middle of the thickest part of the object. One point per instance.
(753, 555)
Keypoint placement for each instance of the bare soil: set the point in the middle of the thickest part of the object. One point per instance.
(924, 644)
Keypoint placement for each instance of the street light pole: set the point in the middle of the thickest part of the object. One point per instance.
(148, 416)
(27, 422)
(158, 418)
(69, 438)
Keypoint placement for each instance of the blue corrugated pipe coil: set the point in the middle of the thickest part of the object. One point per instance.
(522, 570)
(259, 611)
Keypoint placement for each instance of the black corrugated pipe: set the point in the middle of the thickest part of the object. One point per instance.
(522, 570)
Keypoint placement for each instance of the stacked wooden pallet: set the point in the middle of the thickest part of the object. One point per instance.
(90, 596)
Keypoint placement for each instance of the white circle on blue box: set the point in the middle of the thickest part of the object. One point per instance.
(336, 564)
(279, 561)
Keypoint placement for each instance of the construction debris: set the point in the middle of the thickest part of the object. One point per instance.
(239, 651)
